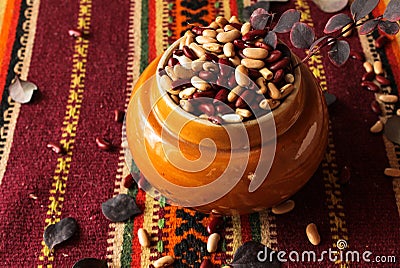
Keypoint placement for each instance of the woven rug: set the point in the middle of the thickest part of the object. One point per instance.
(81, 81)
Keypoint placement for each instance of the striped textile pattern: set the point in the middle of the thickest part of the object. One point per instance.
(81, 81)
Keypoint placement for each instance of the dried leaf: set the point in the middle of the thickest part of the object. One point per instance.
(254, 255)
(59, 232)
(368, 26)
(339, 52)
(90, 263)
(302, 35)
(259, 19)
(392, 129)
(329, 98)
(392, 12)
(287, 20)
(337, 22)
(120, 208)
(361, 8)
(271, 39)
(21, 91)
(388, 27)
(247, 11)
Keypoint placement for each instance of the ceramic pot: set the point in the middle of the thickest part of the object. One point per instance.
(195, 163)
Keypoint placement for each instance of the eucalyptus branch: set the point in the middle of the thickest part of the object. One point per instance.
(303, 36)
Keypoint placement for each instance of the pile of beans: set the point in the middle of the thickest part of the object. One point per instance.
(226, 73)
(374, 80)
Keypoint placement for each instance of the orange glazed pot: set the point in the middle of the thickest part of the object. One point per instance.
(193, 162)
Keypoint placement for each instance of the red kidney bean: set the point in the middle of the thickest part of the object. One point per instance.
(178, 52)
(119, 115)
(206, 108)
(75, 33)
(382, 80)
(204, 94)
(254, 74)
(368, 76)
(280, 64)
(357, 56)
(189, 53)
(206, 263)
(211, 57)
(245, 99)
(278, 76)
(238, 26)
(199, 30)
(232, 82)
(345, 175)
(215, 225)
(239, 44)
(376, 108)
(208, 76)
(215, 119)
(103, 144)
(221, 95)
(223, 109)
(161, 72)
(172, 62)
(55, 148)
(225, 67)
(127, 181)
(381, 41)
(226, 62)
(180, 83)
(371, 86)
(249, 44)
(254, 34)
(273, 56)
(263, 45)
(240, 52)
(216, 87)
(222, 81)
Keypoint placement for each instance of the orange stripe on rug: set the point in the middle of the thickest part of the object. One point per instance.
(183, 14)
(392, 49)
(7, 38)
(152, 30)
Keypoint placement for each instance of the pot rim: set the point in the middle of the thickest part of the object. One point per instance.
(272, 115)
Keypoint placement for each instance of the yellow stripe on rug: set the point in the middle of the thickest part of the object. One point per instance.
(22, 68)
(3, 5)
(71, 119)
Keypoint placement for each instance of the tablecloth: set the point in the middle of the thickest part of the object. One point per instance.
(81, 81)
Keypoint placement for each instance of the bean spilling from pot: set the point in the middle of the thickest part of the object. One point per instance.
(226, 73)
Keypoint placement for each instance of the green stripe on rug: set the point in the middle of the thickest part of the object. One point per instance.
(126, 253)
(144, 39)
(240, 7)
(255, 226)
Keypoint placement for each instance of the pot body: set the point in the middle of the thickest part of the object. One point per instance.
(183, 156)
